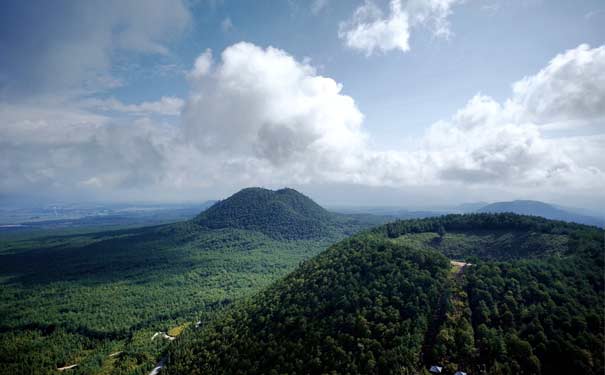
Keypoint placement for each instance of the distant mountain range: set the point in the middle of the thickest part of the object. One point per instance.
(537, 208)
(521, 207)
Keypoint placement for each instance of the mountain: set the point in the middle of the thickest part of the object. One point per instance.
(480, 293)
(283, 214)
(76, 296)
(536, 208)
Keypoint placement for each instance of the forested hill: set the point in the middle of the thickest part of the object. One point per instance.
(281, 214)
(528, 300)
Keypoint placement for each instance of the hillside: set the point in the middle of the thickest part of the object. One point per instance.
(536, 208)
(76, 297)
(528, 300)
(283, 214)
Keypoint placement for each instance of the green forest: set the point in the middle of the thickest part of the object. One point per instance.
(525, 296)
(78, 298)
(268, 282)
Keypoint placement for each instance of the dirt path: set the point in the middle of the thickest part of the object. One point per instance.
(155, 370)
(163, 335)
(76, 364)
(67, 367)
(458, 266)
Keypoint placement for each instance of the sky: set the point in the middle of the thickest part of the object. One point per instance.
(409, 103)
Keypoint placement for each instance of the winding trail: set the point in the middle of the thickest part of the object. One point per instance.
(163, 335)
(66, 367)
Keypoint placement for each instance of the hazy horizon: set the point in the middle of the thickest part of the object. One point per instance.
(380, 198)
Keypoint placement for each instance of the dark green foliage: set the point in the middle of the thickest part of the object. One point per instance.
(470, 222)
(281, 214)
(453, 346)
(548, 313)
(65, 300)
(78, 297)
(531, 303)
(360, 307)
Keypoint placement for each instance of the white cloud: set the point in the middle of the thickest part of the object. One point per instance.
(261, 106)
(202, 65)
(264, 110)
(369, 30)
(571, 88)
(261, 117)
(488, 142)
(45, 149)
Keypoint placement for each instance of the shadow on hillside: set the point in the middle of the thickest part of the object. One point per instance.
(132, 254)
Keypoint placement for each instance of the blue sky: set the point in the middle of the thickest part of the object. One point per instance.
(100, 99)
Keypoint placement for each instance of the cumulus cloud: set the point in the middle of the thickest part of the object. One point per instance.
(262, 109)
(258, 116)
(482, 144)
(370, 30)
(570, 88)
(263, 104)
(489, 142)
(202, 65)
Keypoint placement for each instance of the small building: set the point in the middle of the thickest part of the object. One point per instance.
(436, 369)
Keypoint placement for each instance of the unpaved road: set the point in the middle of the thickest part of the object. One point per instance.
(458, 266)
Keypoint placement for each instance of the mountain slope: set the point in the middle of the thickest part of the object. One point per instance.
(536, 208)
(387, 302)
(284, 213)
(356, 308)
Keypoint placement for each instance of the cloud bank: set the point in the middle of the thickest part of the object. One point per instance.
(258, 116)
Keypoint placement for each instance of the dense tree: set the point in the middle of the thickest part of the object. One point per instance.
(385, 301)
(78, 297)
(360, 307)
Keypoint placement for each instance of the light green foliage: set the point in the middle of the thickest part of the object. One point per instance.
(64, 300)
(78, 297)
